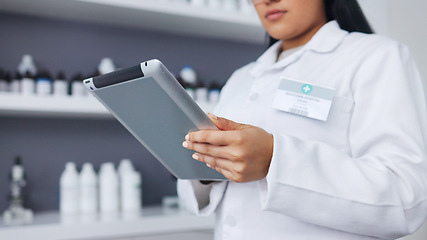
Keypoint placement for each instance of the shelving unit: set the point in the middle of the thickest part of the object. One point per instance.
(143, 14)
(153, 221)
(158, 15)
(26, 105)
(12, 104)
(167, 16)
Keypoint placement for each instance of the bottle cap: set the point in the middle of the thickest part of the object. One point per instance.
(44, 75)
(107, 166)
(17, 75)
(125, 165)
(60, 76)
(77, 77)
(28, 74)
(70, 166)
(7, 77)
(188, 75)
(87, 167)
(18, 160)
(96, 73)
(215, 85)
(200, 84)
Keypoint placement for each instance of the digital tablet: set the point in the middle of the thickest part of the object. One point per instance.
(150, 103)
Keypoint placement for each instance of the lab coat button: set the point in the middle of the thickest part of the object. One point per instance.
(230, 221)
(253, 97)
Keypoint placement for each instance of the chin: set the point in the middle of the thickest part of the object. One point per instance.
(279, 32)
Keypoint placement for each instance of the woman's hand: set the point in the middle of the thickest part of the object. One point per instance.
(242, 153)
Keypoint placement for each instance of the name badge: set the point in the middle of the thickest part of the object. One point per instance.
(304, 99)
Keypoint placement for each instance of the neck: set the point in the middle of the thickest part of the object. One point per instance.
(300, 40)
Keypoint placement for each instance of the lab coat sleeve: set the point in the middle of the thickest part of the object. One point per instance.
(200, 199)
(379, 189)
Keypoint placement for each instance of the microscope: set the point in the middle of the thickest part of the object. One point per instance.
(16, 214)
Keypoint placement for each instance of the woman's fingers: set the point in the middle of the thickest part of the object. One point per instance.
(207, 149)
(214, 137)
(225, 124)
(240, 152)
(213, 161)
(223, 166)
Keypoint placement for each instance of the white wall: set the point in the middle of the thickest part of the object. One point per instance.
(378, 14)
(408, 22)
(421, 234)
(405, 21)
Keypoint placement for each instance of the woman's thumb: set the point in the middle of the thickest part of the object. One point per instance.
(223, 123)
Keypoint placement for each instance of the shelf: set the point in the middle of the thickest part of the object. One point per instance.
(151, 221)
(59, 106)
(166, 16)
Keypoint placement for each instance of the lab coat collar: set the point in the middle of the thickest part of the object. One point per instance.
(325, 40)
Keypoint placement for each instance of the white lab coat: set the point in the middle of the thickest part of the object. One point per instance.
(362, 174)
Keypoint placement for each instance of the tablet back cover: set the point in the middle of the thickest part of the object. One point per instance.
(155, 119)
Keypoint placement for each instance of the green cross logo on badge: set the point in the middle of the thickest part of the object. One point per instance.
(306, 88)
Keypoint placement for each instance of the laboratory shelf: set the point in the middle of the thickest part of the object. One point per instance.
(152, 221)
(158, 15)
(12, 104)
(57, 106)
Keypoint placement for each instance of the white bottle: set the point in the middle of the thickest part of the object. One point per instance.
(180, 1)
(44, 84)
(216, 4)
(106, 66)
(230, 5)
(125, 167)
(201, 93)
(27, 65)
(15, 85)
(43, 87)
(77, 87)
(214, 92)
(198, 3)
(88, 190)
(189, 79)
(130, 189)
(246, 7)
(131, 195)
(60, 85)
(69, 190)
(188, 75)
(4, 85)
(108, 192)
(28, 84)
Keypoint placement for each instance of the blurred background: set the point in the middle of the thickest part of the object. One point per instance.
(73, 36)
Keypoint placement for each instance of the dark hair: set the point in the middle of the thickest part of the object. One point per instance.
(347, 13)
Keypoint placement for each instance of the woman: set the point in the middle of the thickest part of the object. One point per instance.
(328, 138)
